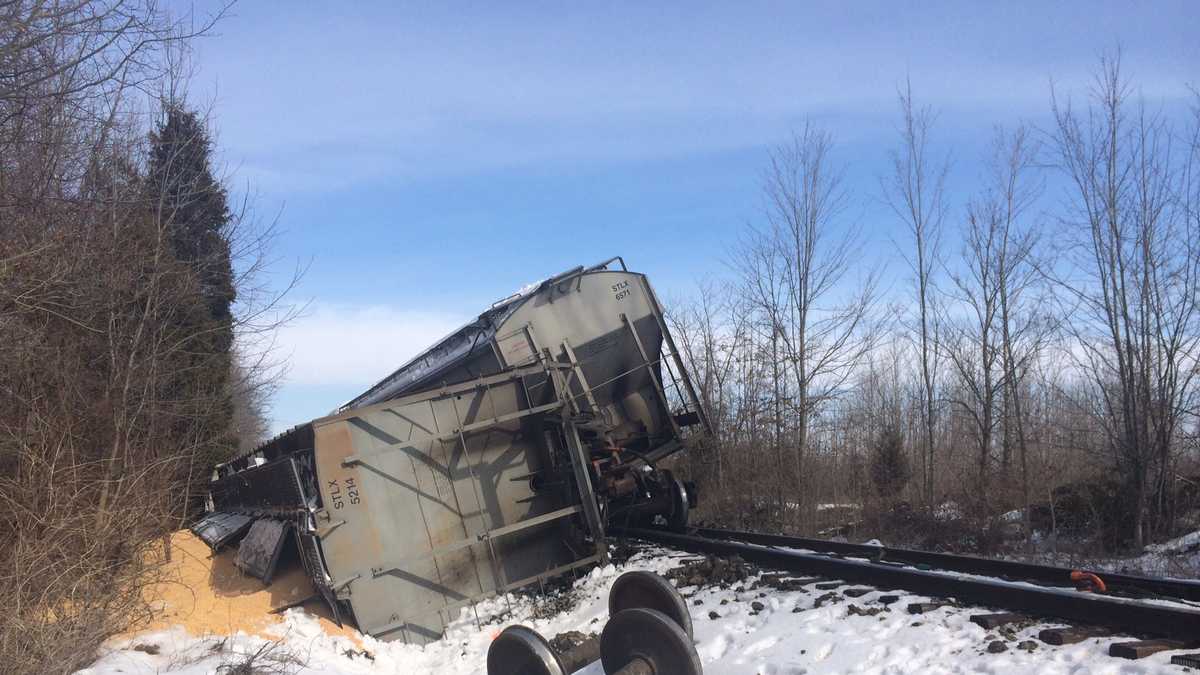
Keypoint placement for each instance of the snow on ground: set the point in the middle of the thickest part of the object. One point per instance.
(1155, 562)
(1014, 516)
(789, 635)
(848, 507)
(947, 510)
(1187, 543)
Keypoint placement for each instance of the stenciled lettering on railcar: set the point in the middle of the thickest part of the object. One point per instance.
(621, 290)
(343, 491)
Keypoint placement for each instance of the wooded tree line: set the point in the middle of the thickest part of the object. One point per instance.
(1037, 352)
(121, 267)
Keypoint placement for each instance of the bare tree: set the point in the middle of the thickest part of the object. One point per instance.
(915, 191)
(992, 333)
(796, 274)
(1024, 329)
(250, 393)
(1135, 245)
(1068, 364)
(972, 337)
(711, 333)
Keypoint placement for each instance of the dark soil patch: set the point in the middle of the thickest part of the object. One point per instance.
(564, 642)
(712, 571)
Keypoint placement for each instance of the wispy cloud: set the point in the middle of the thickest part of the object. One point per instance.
(400, 94)
(339, 346)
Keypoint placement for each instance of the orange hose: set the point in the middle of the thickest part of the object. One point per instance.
(1088, 581)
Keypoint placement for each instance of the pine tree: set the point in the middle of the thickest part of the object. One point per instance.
(193, 206)
(196, 206)
(890, 471)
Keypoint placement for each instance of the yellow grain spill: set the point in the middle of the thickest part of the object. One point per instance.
(207, 594)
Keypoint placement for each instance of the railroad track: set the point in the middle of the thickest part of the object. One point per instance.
(1125, 585)
(1133, 604)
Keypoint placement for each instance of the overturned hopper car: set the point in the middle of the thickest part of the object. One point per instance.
(493, 460)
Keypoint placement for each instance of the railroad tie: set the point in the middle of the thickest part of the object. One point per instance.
(1072, 634)
(1140, 649)
(990, 621)
(925, 607)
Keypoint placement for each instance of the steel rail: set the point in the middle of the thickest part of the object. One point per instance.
(1119, 584)
(1125, 614)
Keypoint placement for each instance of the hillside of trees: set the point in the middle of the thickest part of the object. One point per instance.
(1035, 355)
(126, 296)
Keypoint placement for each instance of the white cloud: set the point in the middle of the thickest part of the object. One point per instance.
(337, 345)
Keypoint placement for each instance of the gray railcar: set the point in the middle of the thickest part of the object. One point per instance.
(491, 461)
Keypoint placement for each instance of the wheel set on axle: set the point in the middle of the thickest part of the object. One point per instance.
(649, 632)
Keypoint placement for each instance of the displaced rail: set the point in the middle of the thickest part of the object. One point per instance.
(1125, 585)
(1136, 616)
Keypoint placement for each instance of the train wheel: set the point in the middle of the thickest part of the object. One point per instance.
(522, 650)
(649, 591)
(678, 520)
(648, 640)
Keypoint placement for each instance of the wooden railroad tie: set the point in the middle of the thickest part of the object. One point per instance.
(1072, 634)
(990, 621)
(924, 607)
(1140, 649)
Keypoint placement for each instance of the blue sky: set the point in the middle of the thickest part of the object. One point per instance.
(427, 159)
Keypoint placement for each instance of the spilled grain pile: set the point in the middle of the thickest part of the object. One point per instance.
(206, 594)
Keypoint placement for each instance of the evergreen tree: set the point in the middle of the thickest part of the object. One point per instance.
(193, 206)
(890, 471)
